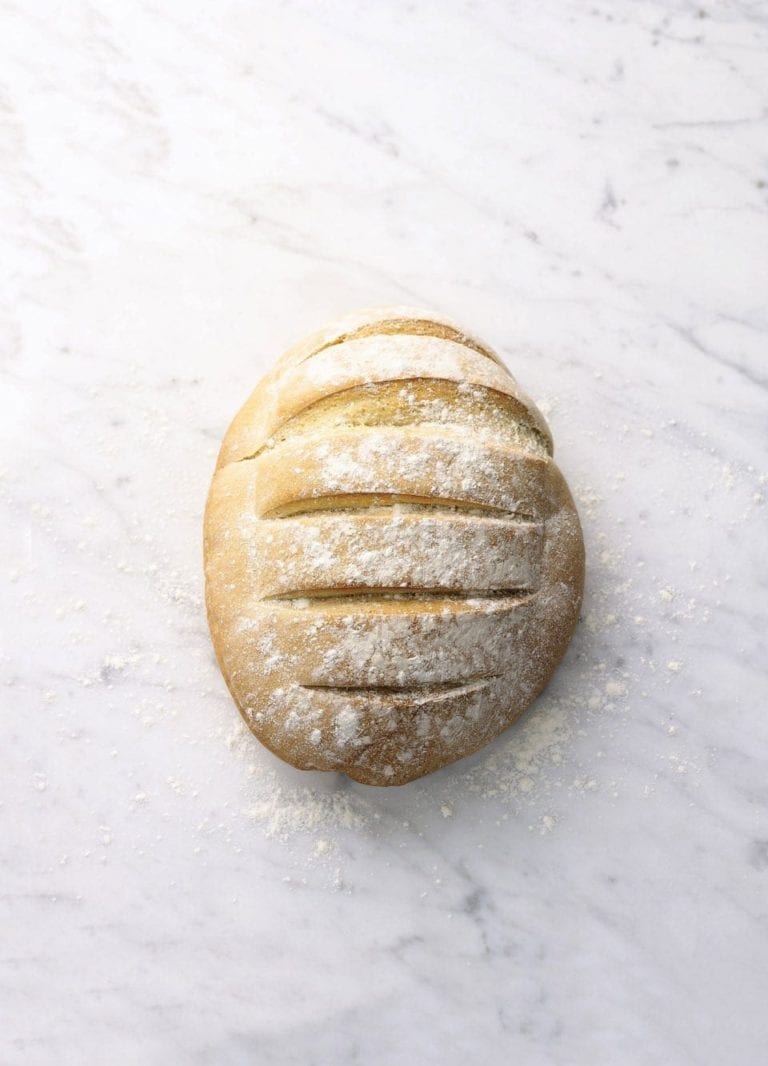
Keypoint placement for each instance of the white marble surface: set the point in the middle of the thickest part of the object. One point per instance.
(186, 188)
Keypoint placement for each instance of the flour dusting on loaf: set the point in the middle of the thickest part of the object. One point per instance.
(394, 563)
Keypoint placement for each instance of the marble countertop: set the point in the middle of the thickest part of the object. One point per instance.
(187, 188)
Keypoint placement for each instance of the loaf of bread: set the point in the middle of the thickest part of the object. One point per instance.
(394, 564)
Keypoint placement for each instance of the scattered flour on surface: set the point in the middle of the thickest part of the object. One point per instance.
(284, 812)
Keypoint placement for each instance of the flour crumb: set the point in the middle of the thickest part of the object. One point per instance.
(615, 688)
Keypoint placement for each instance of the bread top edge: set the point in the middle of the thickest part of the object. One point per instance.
(359, 325)
(395, 319)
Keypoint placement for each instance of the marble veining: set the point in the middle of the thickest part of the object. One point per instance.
(186, 189)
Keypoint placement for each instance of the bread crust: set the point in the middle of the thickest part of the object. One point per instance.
(394, 563)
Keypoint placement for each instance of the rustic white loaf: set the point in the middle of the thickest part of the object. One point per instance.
(394, 564)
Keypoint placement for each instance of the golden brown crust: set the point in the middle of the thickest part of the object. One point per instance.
(394, 564)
